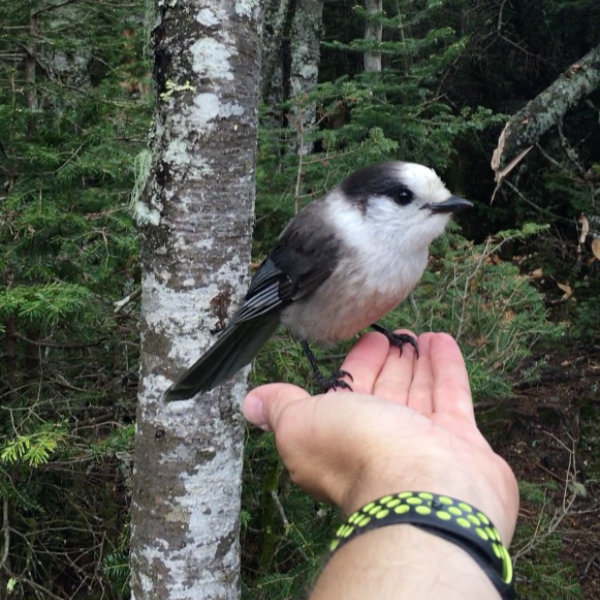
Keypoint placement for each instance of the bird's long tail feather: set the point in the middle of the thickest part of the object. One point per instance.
(236, 347)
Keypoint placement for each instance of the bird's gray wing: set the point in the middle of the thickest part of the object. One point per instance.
(308, 252)
(305, 256)
(263, 294)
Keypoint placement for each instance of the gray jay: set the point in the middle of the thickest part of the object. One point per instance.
(343, 262)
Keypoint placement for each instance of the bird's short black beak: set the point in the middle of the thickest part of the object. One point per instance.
(451, 205)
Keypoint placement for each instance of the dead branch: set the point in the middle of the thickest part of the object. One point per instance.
(545, 111)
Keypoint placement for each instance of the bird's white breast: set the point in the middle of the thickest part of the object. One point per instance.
(383, 256)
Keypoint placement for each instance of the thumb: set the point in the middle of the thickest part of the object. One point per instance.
(264, 404)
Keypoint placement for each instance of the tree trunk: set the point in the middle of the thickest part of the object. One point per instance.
(290, 58)
(373, 32)
(32, 101)
(195, 217)
(275, 48)
(304, 67)
(545, 110)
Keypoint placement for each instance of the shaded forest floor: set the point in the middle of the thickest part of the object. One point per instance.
(550, 435)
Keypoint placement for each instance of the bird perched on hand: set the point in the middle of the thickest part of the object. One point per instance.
(343, 262)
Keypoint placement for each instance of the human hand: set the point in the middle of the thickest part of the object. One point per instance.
(408, 425)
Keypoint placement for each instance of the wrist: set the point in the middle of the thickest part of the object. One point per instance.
(399, 562)
(496, 496)
(449, 518)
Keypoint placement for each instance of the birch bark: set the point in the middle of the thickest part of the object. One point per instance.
(195, 218)
(373, 32)
(291, 55)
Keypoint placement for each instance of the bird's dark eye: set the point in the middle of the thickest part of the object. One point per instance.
(402, 196)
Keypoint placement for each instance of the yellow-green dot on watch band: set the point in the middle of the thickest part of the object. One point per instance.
(474, 520)
(402, 509)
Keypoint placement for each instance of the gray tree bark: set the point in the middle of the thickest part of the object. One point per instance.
(275, 48)
(306, 33)
(291, 54)
(373, 32)
(545, 110)
(195, 216)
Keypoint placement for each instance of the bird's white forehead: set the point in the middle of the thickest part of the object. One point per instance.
(423, 181)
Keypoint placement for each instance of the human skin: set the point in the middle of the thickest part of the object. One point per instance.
(409, 424)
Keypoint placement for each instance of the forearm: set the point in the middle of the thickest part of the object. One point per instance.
(402, 561)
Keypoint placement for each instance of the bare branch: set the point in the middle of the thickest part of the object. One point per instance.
(547, 109)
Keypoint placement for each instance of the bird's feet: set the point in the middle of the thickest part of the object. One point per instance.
(324, 382)
(397, 339)
(334, 381)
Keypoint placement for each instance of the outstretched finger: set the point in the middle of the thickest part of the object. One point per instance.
(365, 360)
(394, 380)
(452, 392)
(420, 395)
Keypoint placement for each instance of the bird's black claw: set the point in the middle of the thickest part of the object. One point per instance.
(398, 339)
(334, 381)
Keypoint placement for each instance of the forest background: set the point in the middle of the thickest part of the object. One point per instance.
(516, 281)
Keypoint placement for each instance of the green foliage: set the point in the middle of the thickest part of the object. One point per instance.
(116, 563)
(545, 571)
(118, 442)
(538, 549)
(35, 448)
(74, 109)
(488, 305)
(116, 567)
(73, 113)
(535, 493)
(45, 305)
(585, 313)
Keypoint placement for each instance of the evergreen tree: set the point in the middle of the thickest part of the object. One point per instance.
(73, 114)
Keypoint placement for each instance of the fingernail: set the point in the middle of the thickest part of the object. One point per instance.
(254, 410)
